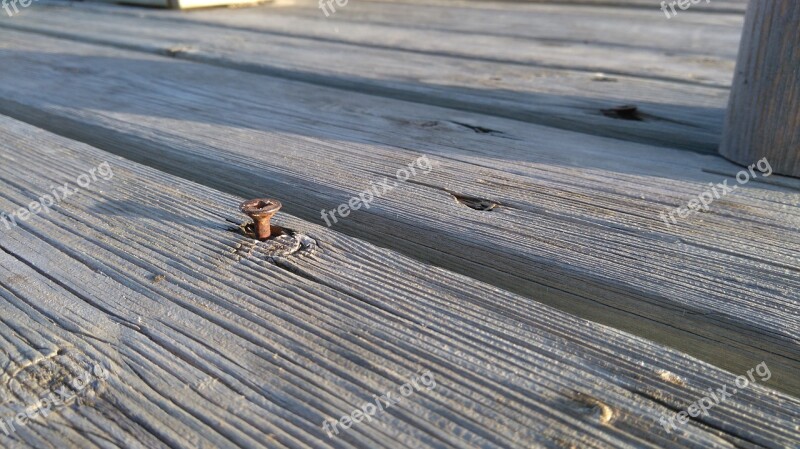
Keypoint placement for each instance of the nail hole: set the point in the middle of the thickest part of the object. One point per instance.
(626, 112)
(594, 406)
(474, 202)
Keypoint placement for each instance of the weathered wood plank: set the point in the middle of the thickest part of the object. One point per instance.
(214, 340)
(589, 51)
(578, 226)
(390, 25)
(724, 6)
(184, 4)
(531, 80)
(764, 111)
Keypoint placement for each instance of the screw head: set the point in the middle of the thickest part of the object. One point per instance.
(261, 211)
(260, 207)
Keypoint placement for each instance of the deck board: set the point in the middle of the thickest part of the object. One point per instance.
(390, 25)
(720, 6)
(245, 344)
(578, 227)
(568, 316)
(555, 82)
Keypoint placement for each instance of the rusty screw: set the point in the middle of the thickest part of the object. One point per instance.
(261, 210)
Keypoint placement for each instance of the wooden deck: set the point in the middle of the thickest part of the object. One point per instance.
(568, 315)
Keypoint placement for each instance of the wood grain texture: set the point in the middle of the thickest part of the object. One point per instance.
(388, 25)
(764, 112)
(185, 4)
(578, 225)
(724, 6)
(215, 340)
(681, 96)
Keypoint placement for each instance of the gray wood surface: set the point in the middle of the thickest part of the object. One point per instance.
(558, 81)
(212, 340)
(184, 4)
(764, 112)
(717, 6)
(388, 25)
(578, 225)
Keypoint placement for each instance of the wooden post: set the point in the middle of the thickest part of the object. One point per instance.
(764, 110)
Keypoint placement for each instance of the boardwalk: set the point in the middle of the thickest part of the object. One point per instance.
(499, 248)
